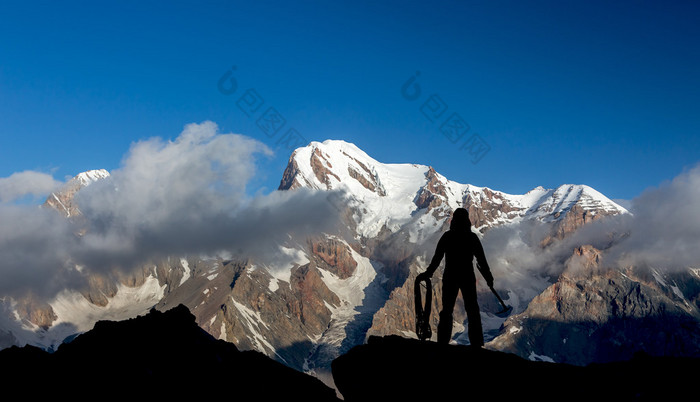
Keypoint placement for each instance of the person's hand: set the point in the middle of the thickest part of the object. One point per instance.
(423, 276)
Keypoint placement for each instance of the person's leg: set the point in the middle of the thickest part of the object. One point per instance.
(475, 331)
(449, 297)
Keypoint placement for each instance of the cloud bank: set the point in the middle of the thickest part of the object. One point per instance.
(664, 231)
(186, 196)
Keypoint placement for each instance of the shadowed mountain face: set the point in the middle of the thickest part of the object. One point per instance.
(393, 368)
(161, 354)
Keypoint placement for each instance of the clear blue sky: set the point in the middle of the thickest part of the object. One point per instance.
(599, 93)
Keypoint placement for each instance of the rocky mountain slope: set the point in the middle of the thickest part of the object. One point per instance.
(309, 300)
(594, 313)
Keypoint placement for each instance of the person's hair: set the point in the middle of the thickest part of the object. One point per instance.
(460, 220)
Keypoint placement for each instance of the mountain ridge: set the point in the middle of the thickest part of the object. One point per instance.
(313, 299)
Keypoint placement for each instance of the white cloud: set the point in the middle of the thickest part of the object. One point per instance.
(168, 198)
(26, 183)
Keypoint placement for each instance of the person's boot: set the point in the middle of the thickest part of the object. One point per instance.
(476, 334)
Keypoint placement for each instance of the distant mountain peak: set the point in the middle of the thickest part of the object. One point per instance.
(62, 200)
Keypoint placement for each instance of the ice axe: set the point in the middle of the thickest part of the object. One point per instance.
(505, 312)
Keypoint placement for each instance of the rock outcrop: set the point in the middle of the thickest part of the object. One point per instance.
(393, 368)
(335, 255)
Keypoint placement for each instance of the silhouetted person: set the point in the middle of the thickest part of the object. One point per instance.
(459, 245)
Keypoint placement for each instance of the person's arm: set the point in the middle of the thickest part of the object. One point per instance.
(482, 265)
(437, 257)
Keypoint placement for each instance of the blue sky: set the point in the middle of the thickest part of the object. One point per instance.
(599, 93)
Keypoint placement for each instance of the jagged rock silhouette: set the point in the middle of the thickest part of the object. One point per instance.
(158, 355)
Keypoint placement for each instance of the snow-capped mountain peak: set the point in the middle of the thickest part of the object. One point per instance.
(553, 202)
(391, 195)
(336, 164)
(91, 176)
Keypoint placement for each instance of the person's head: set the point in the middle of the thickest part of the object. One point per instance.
(460, 220)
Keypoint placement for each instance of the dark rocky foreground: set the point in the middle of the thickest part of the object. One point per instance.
(165, 355)
(160, 355)
(393, 368)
